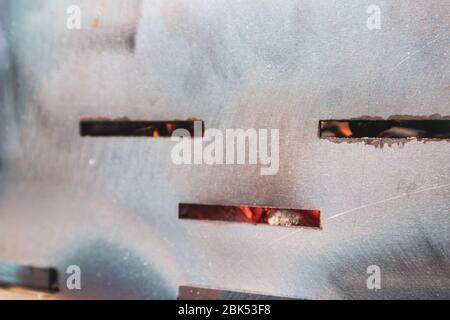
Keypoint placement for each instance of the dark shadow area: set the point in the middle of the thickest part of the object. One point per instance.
(153, 129)
(422, 129)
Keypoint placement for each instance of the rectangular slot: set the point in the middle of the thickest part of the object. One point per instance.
(391, 129)
(251, 214)
(195, 293)
(126, 128)
(101, 40)
(27, 277)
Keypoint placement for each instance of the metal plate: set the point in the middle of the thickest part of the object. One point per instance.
(110, 206)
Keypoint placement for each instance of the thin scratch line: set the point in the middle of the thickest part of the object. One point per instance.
(238, 263)
(417, 51)
(366, 206)
(387, 200)
(408, 57)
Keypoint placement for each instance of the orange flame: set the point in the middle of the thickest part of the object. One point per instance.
(344, 129)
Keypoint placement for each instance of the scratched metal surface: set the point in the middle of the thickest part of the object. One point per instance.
(110, 205)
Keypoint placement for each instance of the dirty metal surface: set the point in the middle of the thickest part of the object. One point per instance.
(110, 205)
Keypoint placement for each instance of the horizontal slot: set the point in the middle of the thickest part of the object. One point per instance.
(195, 293)
(392, 129)
(101, 40)
(27, 277)
(124, 128)
(250, 214)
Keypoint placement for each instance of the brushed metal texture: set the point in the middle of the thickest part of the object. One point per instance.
(110, 206)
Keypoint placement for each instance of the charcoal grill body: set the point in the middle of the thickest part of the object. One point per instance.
(110, 205)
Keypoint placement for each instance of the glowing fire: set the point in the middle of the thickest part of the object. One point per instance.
(336, 129)
(344, 129)
(250, 214)
(127, 128)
